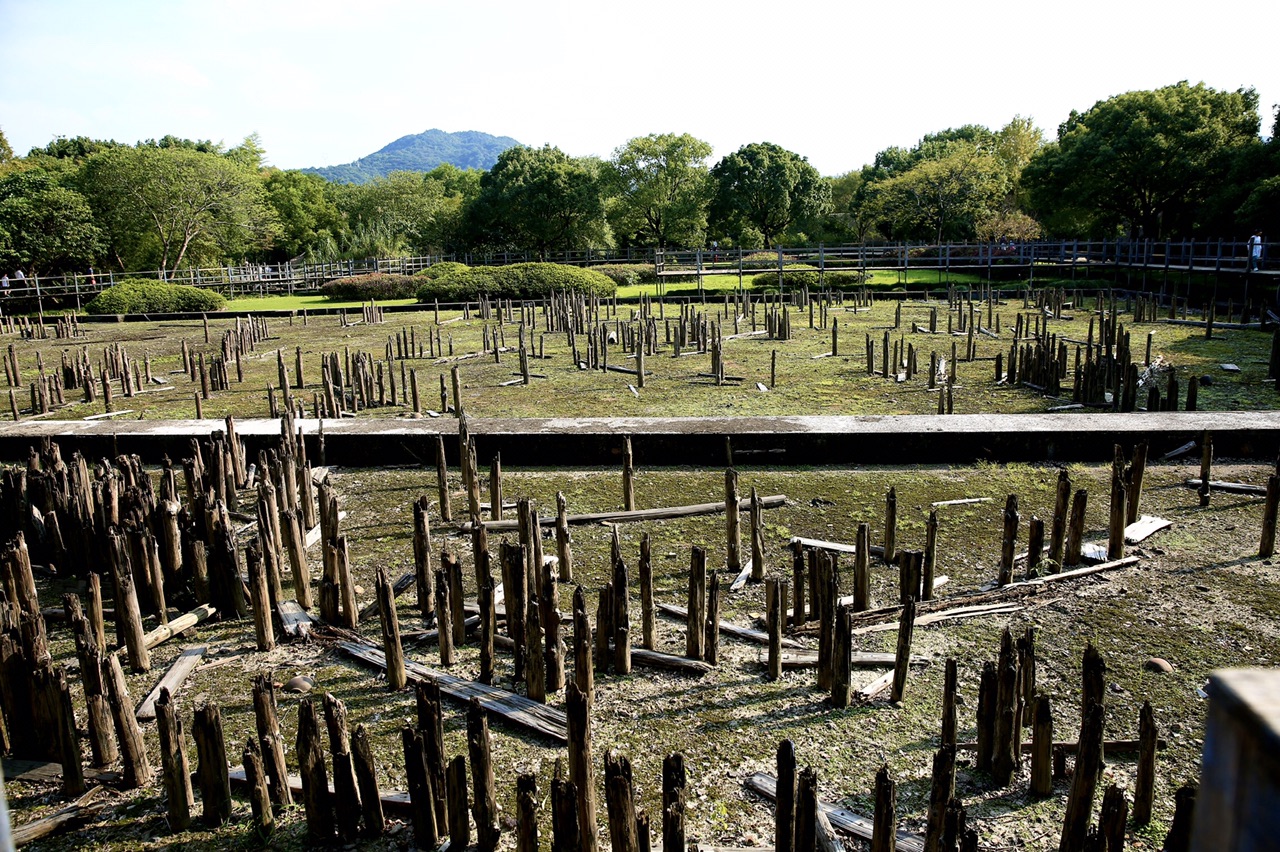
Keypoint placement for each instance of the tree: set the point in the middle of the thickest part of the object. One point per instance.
(45, 227)
(540, 198)
(945, 194)
(766, 187)
(401, 206)
(171, 204)
(662, 189)
(308, 217)
(6, 152)
(1143, 161)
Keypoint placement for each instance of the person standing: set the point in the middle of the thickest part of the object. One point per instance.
(1255, 251)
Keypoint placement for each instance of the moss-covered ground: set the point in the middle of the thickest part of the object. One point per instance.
(1197, 598)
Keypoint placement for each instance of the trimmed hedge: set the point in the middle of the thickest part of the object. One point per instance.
(627, 274)
(374, 285)
(439, 270)
(148, 296)
(517, 281)
(804, 275)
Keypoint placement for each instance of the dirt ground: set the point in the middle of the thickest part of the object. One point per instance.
(1197, 598)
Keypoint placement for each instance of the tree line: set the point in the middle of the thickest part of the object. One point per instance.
(1172, 162)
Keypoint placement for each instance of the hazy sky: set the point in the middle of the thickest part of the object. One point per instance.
(325, 82)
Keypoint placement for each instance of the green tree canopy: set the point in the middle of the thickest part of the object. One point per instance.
(540, 198)
(45, 227)
(765, 187)
(661, 188)
(1144, 162)
(944, 194)
(309, 219)
(166, 205)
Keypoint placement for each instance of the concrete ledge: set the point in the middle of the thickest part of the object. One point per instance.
(906, 439)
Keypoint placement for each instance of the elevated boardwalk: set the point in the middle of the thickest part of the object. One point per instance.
(657, 441)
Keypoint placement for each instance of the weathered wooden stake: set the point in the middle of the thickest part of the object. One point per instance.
(1042, 748)
(173, 762)
(581, 773)
(1083, 784)
(695, 633)
(316, 797)
(485, 808)
(264, 819)
(1144, 784)
(884, 831)
(421, 797)
(902, 662)
(215, 783)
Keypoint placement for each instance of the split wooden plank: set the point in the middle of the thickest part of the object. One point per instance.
(668, 662)
(877, 686)
(1145, 527)
(728, 628)
(165, 632)
(294, 620)
(1177, 451)
(79, 813)
(106, 415)
(395, 802)
(515, 708)
(44, 772)
(1072, 746)
(172, 680)
(313, 534)
(663, 513)
(398, 588)
(743, 575)
(844, 820)
(1232, 487)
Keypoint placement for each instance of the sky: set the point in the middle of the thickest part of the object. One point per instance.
(323, 82)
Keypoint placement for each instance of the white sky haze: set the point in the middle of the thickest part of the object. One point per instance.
(325, 82)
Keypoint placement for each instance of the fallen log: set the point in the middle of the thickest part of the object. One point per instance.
(663, 513)
(1232, 487)
(165, 632)
(402, 583)
(841, 819)
(805, 659)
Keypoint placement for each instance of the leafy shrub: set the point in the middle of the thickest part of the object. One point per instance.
(627, 274)
(374, 285)
(804, 275)
(439, 270)
(517, 281)
(146, 296)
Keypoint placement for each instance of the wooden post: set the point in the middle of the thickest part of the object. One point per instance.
(459, 822)
(1184, 806)
(264, 820)
(806, 839)
(1112, 818)
(1084, 782)
(1008, 732)
(902, 662)
(1042, 749)
(1075, 529)
(443, 629)
(628, 474)
(1206, 466)
(1115, 527)
(1267, 545)
(621, 610)
(1058, 532)
(884, 831)
(173, 762)
(1009, 540)
(495, 487)
(535, 661)
(102, 741)
(580, 768)
(485, 809)
(648, 611)
(128, 616)
(390, 631)
(488, 622)
(268, 726)
(785, 798)
(133, 751)
(733, 524)
(1035, 546)
(862, 570)
(774, 602)
(842, 652)
(431, 724)
(295, 546)
(942, 790)
(68, 740)
(890, 525)
(564, 541)
(986, 733)
(798, 573)
(673, 804)
(949, 685)
(422, 800)
(1144, 784)
(711, 643)
(583, 669)
(1133, 486)
(442, 480)
(527, 812)
(215, 784)
(695, 634)
(930, 556)
(422, 551)
(315, 779)
(263, 630)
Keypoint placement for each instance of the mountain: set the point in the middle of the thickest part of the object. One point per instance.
(422, 152)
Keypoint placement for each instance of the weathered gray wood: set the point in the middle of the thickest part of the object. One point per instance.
(728, 628)
(81, 812)
(133, 751)
(179, 625)
(173, 679)
(294, 620)
(842, 819)
(215, 788)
